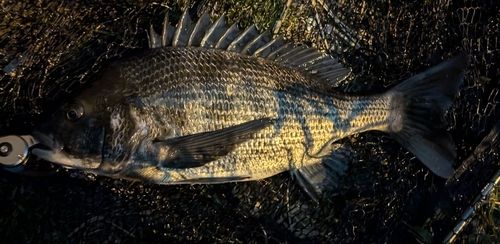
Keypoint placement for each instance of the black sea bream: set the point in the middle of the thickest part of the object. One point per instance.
(212, 104)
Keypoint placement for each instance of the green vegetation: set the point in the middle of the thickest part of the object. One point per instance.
(484, 226)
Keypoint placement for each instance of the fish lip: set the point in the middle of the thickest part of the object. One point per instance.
(46, 142)
(49, 150)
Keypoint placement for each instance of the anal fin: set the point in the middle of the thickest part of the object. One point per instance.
(323, 172)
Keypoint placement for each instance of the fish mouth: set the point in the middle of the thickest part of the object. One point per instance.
(50, 150)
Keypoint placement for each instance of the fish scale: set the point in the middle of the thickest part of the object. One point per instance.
(240, 106)
(254, 89)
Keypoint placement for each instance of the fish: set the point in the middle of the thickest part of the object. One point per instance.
(210, 103)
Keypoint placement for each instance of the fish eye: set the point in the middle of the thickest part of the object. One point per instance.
(74, 113)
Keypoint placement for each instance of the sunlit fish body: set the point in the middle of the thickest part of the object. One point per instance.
(211, 104)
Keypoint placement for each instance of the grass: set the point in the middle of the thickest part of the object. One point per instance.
(28, 203)
(485, 225)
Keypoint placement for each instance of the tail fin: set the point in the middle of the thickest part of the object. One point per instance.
(420, 103)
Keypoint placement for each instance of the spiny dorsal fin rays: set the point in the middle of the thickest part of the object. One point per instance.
(256, 43)
(154, 39)
(183, 31)
(167, 34)
(270, 47)
(228, 37)
(214, 34)
(241, 41)
(276, 55)
(250, 42)
(201, 26)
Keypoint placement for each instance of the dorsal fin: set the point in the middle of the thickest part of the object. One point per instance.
(228, 37)
(256, 43)
(243, 39)
(250, 42)
(155, 40)
(199, 30)
(183, 30)
(214, 33)
(270, 47)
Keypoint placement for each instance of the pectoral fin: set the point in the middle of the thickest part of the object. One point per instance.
(199, 149)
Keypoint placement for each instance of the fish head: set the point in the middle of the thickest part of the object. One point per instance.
(73, 135)
(94, 130)
(84, 133)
